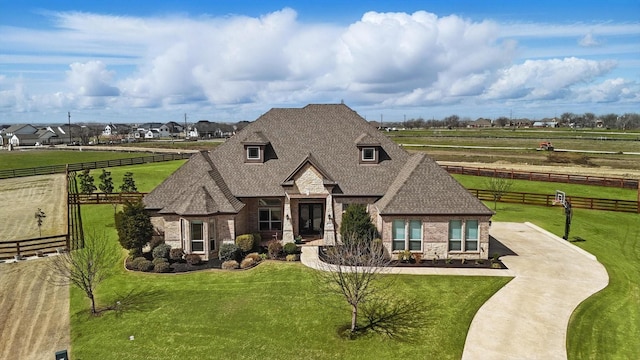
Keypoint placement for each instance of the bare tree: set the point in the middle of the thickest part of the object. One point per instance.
(498, 186)
(85, 268)
(351, 270)
(40, 215)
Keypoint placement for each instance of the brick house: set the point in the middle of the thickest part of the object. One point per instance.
(294, 171)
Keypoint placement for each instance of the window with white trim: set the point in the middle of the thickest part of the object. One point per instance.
(270, 214)
(369, 154)
(197, 236)
(407, 235)
(398, 235)
(253, 153)
(464, 235)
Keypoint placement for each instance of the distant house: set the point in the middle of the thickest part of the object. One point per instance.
(479, 123)
(295, 171)
(20, 129)
(545, 124)
(152, 134)
(116, 129)
(205, 129)
(172, 129)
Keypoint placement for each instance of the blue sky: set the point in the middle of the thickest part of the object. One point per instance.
(127, 61)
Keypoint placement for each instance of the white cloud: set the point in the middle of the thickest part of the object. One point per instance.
(91, 79)
(384, 59)
(588, 41)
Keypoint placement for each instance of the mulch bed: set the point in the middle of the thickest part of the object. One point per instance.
(453, 264)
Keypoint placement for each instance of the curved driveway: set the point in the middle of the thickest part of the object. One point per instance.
(528, 317)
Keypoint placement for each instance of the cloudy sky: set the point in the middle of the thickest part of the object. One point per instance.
(120, 61)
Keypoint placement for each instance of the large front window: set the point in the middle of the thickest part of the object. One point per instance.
(398, 235)
(407, 235)
(270, 214)
(463, 235)
(197, 236)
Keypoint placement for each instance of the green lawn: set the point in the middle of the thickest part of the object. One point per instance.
(146, 176)
(542, 187)
(36, 158)
(273, 311)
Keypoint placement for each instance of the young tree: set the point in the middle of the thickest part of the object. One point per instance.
(40, 215)
(106, 182)
(134, 226)
(498, 186)
(86, 182)
(85, 268)
(351, 270)
(128, 184)
(356, 224)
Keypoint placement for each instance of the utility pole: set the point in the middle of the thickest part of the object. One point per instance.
(69, 117)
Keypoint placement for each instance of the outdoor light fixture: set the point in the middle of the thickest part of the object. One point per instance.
(287, 216)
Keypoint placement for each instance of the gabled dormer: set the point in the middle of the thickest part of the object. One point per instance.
(369, 150)
(255, 145)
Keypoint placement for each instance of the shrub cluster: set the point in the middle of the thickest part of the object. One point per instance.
(141, 264)
(193, 259)
(274, 249)
(292, 257)
(229, 252)
(180, 267)
(247, 263)
(290, 248)
(176, 254)
(157, 261)
(246, 242)
(162, 267)
(230, 265)
(161, 251)
(255, 256)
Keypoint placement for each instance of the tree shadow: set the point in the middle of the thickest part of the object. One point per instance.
(393, 318)
(136, 300)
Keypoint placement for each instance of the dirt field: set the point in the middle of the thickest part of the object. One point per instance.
(21, 198)
(34, 315)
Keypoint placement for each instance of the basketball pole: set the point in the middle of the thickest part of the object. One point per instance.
(568, 214)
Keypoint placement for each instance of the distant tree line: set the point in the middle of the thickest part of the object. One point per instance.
(628, 121)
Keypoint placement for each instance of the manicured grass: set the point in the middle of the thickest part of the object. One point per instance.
(36, 158)
(541, 187)
(274, 311)
(146, 176)
(606, 325)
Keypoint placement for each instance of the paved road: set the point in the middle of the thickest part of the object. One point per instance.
(528, 317)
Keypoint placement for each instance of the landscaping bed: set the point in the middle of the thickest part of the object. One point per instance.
(452, 263)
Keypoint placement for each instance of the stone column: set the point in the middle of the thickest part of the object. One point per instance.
(287, 222)
(329, 222)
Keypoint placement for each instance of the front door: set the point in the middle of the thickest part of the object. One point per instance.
(310, 221)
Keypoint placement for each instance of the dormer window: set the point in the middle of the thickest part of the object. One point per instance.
(369, 154)
(253, 153)
(254, 148)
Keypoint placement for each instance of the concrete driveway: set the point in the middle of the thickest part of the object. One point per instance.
(528, 318)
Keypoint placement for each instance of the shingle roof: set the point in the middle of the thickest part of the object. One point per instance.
(196, 188)
(327, 132)
(326, 137)
(423, 187)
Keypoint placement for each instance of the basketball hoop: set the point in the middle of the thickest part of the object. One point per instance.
(560, 198)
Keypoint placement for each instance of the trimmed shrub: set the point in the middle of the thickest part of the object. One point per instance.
(162, 267)
(255, 256)
(176, 254)
(229, 252)
(142, 264)
(157, 261)
(292, 257)
(245, 242)
(128, 263)
(356, 225)
(274, 249)
(290, 248)
(230, 265)
(180, 267)
(134, 253)
(161, 251)
(193, 259)
(247, 263)
(263, 256)
(257, 239)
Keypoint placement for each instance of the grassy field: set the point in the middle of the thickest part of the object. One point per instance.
(146, 176)
(36, 158)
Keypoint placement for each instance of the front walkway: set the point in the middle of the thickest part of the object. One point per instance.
(528, 317)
